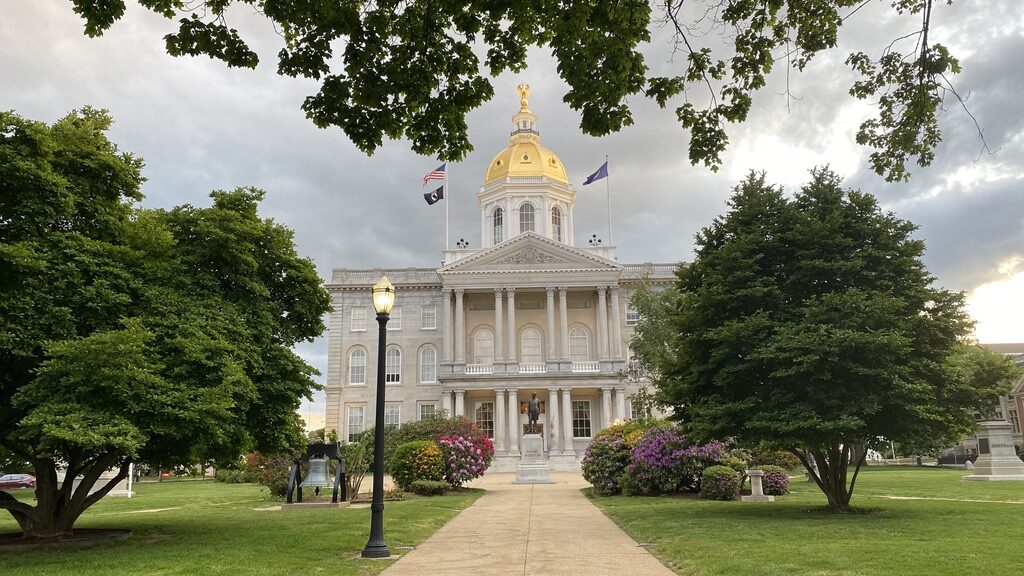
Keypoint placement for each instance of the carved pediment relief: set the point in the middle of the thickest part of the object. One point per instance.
(528, 255)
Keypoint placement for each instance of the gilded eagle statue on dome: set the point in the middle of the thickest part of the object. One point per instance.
(524, 95)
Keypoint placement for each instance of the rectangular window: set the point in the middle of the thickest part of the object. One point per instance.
(355, 421)
(1014, 421)
(428, 318)
(632, 316)
(484, 417)
(581, 418)
(427, 410)
(634, 410)
(393, 414)
(395, 318)
(358, 321)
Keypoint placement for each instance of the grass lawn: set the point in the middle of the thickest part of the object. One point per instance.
(793, 536)
(214, 528)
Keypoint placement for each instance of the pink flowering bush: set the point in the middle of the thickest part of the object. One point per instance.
(775, 481)
(465, 458)
(665, 460)
(605, 462)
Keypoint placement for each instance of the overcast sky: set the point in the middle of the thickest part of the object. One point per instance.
(201, 126)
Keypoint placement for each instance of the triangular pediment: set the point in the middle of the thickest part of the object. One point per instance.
(530, 252)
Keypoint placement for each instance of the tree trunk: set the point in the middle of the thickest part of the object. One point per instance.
(833, 467)
(58, 507)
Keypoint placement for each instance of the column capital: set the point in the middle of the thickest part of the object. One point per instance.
(606, 389)
(562, 289)
(554, 389)
(460, 291)
(511, 292)
(498, 291)
(447, 290)
(614, 288)
(550, 290)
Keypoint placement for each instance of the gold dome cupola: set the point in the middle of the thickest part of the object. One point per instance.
(525, 188)
(525, 156)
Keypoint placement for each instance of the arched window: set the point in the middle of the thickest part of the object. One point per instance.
(532, 351)
(556, 224)
(393, 366)
(428, 365)
(579, 345)
(483, 347)
(526, 220)
(498, 213)
(357, 366)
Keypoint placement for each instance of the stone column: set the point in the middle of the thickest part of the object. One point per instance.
(606, 406)
(567, 447)
(551, 322)
(460, 328)
(447, 327)
(512, 344)
(499, 421)
(446, 403)
(563, 317)
(513, 422)
(460, 402)
(553, 421)
(499, 350)
(620, 403)
(602, 324)
(616, 332)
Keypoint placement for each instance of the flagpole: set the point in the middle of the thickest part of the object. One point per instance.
(446, 201)
(608, 194)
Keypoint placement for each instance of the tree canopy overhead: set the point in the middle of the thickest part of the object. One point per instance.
(810, 322)
(413, 69)
(134, 335)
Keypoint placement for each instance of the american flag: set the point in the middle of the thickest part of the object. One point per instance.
(435, 174)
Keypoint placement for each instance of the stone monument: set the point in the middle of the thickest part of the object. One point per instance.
(756, 491)
(533, 465)
(996, 457)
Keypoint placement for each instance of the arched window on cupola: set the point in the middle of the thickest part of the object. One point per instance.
(556, 224)
(527, 222)
(498, 217)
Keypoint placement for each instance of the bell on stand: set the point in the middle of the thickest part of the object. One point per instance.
(317, 475)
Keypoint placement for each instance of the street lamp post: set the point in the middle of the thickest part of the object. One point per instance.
(383, 300)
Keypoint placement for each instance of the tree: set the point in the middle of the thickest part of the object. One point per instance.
(810, 322)
(132, 335)
(411, 68)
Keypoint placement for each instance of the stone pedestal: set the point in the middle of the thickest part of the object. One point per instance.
(996, 458)
(533, 466)
(756, 491)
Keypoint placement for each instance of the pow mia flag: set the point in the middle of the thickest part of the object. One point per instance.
(433, 197)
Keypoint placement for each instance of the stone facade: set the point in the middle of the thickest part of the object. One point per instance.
(528, 313)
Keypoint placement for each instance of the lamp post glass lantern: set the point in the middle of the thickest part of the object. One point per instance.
(383, 300)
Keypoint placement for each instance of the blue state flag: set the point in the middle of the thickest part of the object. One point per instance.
(602, 172)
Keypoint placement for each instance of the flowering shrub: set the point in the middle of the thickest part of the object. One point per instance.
(465, 458)
(775, 482)
(720, 483)
(605, 463)
(419, 460)
(433, 428)
(664, 460)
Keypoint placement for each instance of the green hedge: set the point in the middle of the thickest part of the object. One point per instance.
(417, 460)
(428, 487)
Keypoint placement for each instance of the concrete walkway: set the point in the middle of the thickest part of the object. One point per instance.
(529, 529)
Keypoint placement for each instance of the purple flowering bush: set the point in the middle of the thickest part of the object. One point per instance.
(664, 460)
(720, 483)
(775, 481)
(465, 458)
(605, 462)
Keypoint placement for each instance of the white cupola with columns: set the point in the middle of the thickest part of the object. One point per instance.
(525, 188)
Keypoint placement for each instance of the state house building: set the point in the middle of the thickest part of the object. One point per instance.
(528, 313)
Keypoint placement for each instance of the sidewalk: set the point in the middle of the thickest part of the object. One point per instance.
(529, 529)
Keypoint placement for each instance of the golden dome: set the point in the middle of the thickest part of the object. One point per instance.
(525, 156)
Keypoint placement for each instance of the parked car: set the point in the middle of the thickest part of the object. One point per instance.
(11, 481)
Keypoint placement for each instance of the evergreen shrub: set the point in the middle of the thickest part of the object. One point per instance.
(417, 460)
(428, 487)
(719, 483)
